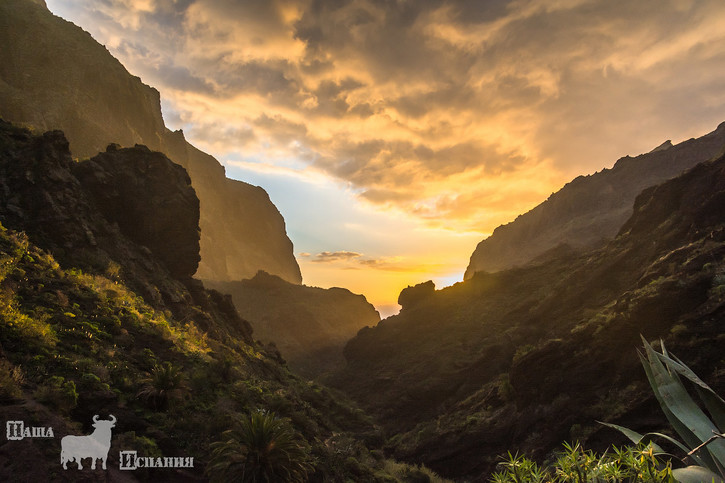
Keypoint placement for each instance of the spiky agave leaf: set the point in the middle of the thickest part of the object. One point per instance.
(713, 402)
(689, 438)
(684, 414)
(645, 439)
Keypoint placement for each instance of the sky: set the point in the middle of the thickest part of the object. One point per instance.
(394, 135)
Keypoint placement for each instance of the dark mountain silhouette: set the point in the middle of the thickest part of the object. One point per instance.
(309, 325)
(525, 358)
(97, 317)
(53, 75)
(590, 209)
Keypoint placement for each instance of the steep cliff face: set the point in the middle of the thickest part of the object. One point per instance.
(309, 325)
(590, 209)
(53, 75)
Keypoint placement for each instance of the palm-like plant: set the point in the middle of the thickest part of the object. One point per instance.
(165, 383)
(261, 448)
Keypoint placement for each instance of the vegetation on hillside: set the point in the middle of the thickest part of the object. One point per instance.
(74, 344)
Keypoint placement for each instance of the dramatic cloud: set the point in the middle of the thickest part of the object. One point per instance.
(429, 106)
(460, 113)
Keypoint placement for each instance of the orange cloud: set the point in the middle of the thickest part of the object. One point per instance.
(458, 114)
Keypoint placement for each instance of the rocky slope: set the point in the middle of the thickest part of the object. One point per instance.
(308, 325)
(53, 75)
(523, 359)
(93, 323)
(590, 209)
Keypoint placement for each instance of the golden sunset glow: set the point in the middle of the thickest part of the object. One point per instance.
(405, 132)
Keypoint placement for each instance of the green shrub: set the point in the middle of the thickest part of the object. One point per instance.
(11, 380)
(576, 465)
(58, 394)
(91, 382)
(522, 351)
(505, 389)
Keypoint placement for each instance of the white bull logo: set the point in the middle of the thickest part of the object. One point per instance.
(94, 446)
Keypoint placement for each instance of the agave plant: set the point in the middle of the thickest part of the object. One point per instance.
(702, 436)
(262, 448)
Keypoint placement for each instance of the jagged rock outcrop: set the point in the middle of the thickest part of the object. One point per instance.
(61, 206)
(75, 208)
(151, 200)
(692, 202)
(53, 75)
(39, 194)
(309, 325)
(411, 296)
(590, 209)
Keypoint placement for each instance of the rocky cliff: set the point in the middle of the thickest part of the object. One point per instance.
(590, 209)
(71, 209)
(309, 325)
(150, 199)
(53, 75)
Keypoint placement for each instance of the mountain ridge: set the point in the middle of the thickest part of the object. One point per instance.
(589, 210)
(53, 75)
(309, 325)
(525, 358)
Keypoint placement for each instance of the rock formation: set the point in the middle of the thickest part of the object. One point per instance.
(151, 200)
(61, 205)
(411, 296)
